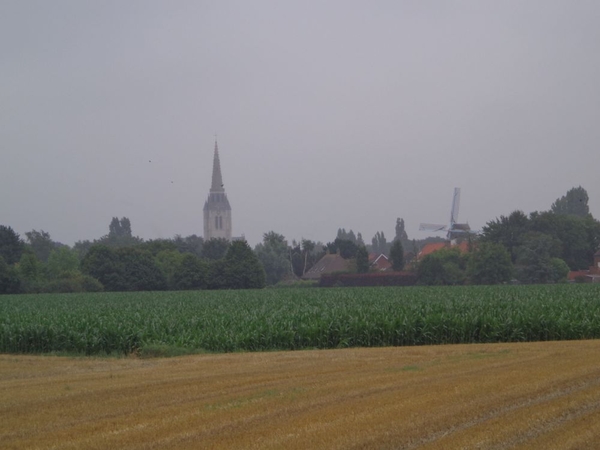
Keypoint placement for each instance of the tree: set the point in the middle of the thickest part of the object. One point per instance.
(123, 269)
(102, 263)
(243, 270)
(575, 203)
(155, 246)
(346, 236)
(401, 233)
(215, 248)
(489, 263)
(507, 231)
(11, 245)
(191, 273)
(274, 255)
(359, 239)
(9, 279)
(559, 270)
(82, 247)
(139, 271)
(30, 269)
(444, 267)
(577, 237)
(168, 262)
(119, 234)
(397, 255)
(362, 260)
(379, 243)
(195, 245)
(534, 263)
(62, 260)
(40, 243)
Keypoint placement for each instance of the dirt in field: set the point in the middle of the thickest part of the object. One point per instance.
(500, 396)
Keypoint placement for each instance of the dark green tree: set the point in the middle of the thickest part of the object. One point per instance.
(191, 273)
(534, 263)
(379, 243)
(507, 231)
(101, 262)
(243, 270)
(575, 203)
(194, 244)
(215, 249)
(9, 278)
(41, 244)
(119, 234)
(82, 247)
(489, 263)
(139, 271)
(168, 262)
(444, 267)
(362, 260)
(401, 233)
(397, 255)
(217, 274)
(577, 237)
(155, 246)
(11, 245)
(346, 248)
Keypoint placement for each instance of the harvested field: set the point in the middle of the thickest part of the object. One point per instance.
(490, 396)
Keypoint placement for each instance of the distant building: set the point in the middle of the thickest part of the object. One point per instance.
(217, 211)
(379, 262)
(592, 275)
(330, 263)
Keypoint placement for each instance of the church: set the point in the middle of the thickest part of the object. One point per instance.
(217, 211)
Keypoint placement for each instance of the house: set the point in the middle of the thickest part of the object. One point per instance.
(592, 275)
(329, 263)
(379, 263)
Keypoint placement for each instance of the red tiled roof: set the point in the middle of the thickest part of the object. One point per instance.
(435, 246)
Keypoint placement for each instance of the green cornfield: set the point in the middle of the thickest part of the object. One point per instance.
(293, 319)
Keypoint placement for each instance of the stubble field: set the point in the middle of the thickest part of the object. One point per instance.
(488, 396)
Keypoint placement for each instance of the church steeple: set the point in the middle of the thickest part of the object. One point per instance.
(217, 178)
(217, 210)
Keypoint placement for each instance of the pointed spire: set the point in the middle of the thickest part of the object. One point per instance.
(217, 178)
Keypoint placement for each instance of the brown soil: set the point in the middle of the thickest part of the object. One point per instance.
(500, 396)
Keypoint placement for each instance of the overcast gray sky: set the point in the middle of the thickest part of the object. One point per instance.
(329, 114)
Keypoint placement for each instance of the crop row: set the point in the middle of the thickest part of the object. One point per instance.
(286, 319)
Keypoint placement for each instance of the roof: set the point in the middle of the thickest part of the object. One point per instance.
(327, 264)
(379, 262)
(435, 246)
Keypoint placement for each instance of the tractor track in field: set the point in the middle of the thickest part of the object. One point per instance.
(578, 386)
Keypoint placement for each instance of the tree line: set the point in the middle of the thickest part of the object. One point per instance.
(540, 247)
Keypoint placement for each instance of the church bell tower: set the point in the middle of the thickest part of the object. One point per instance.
(217, 211)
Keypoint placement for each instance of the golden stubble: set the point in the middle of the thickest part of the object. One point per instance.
(488, 396)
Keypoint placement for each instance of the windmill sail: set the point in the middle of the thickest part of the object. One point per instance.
(454, 229)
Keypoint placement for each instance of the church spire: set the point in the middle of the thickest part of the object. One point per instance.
(217, 178)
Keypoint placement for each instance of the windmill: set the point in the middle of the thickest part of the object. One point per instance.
(453, 229)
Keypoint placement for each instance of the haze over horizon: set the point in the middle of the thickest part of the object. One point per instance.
(337, 114)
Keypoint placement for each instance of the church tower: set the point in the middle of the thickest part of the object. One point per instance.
(217, 211)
